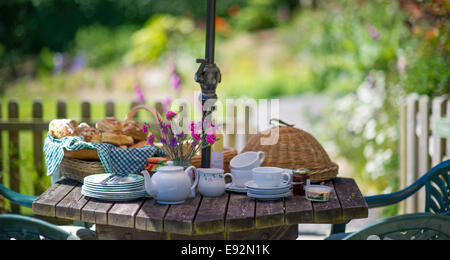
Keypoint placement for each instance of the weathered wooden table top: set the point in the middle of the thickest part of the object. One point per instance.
(201, 215)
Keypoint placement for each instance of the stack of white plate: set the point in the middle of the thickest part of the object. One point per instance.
(126, 188)
(268, 193)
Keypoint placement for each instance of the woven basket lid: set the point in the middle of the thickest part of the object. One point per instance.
(295, 149)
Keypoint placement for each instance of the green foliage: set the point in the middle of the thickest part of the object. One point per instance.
(160, 34)
(102, 45)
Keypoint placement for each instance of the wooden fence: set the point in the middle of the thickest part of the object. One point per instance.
(421, 145)
(13, 125)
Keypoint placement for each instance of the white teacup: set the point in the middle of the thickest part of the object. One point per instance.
(247, 160)
(212, 182)
(270, 176)
(240, 177)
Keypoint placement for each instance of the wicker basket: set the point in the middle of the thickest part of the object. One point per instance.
(78, 169)
(295, 149)
(228, 154)
(78, 164)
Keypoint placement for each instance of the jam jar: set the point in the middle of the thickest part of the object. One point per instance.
(300, 178)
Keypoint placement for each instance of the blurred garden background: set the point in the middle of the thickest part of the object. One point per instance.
(358, 58)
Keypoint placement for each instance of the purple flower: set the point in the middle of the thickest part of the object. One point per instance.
(144, 129)
(172, 142)
(138, 92)
(163, 140)
(78, 63)
(171, 115)
(373, 31)
(165, 129)
(180, 136)
(211, 138)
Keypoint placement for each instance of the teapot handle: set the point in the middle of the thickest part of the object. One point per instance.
(196, 177)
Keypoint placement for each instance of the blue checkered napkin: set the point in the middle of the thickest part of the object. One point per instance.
(115, 160)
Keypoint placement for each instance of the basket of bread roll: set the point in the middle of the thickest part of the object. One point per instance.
(84, 162)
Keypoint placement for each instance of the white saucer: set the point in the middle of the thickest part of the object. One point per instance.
(252, 185)
(269, 197)
(234, 188)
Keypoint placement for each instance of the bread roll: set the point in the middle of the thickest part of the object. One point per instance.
(109, 125)
(117, 139)
(135, 130)
(89, 133)
(139, 145)
(60, 128)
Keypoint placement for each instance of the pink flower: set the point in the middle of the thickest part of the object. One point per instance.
(139, 95)
(166, 103)
(150, 140)
(197, 137)
(170, 115)
(211, 138)
(145, 129)
(193, 127)
(175, 81)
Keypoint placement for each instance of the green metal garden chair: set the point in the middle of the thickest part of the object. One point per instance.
(422, 226)
(27, 201)
(437, 185)
(18, 227)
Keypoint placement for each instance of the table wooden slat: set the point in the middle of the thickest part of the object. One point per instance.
(179, 218)
(330, 211)
(46, 203)
(240, 214)
(298, 210)
(151, 216)
(96, 211)
(203, 217)
(211, 214)
(70, 207)
(122, 214)
(352, 201)
(269, 214)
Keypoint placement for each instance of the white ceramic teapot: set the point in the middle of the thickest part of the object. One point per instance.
(170, 184)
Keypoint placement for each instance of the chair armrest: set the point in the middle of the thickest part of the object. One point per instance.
(378, 201)
(17, 198)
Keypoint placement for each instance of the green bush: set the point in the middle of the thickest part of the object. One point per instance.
(102, 45)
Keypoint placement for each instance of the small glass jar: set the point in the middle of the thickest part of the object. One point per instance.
(300, 178)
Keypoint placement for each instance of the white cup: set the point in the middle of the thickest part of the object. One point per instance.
(247, 160)
(270, 176)
(240, 177)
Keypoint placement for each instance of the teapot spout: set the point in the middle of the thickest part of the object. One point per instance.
(150, 186)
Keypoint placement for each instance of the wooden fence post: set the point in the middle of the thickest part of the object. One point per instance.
(61, 109)
(37, 148)
(403, 151)
(1, 145)
(86, 112)
(110, 109)
(423, 153)
(448, 139)
(439, 106)
(14, 171)
(411, 167)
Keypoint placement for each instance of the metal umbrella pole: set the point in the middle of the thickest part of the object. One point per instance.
(209, 76)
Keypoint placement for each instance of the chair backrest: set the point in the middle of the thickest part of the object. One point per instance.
(424, 226)
(438, 191)
(20, 227)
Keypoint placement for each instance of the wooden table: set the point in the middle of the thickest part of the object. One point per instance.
(232, 216)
